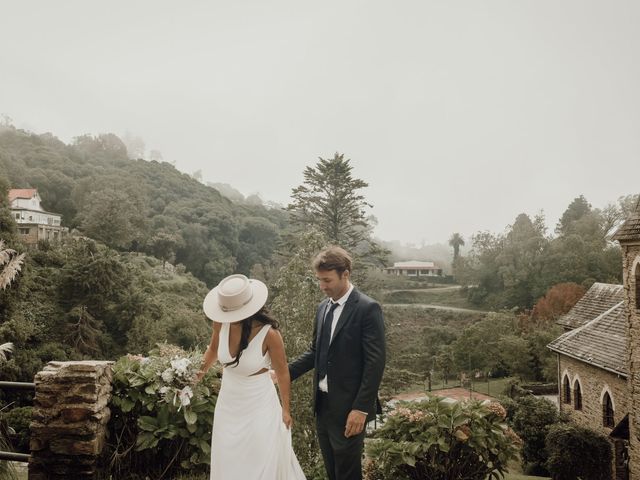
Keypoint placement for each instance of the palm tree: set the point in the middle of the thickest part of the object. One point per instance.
(456, 241)
(10, 265)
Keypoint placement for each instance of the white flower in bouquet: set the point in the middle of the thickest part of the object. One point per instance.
(185, 395)
(180, 366)
(167, 375)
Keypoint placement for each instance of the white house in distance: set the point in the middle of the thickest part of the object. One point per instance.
(34, 223)
(413, 268)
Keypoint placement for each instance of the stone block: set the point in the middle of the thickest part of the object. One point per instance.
(75, 414)
(37, 443)
(69, 420)
(65, 446)
(37, 475)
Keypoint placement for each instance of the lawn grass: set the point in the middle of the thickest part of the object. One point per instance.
(449, 298)
(494, 388)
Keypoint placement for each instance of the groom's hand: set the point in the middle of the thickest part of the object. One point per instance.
(355, 423)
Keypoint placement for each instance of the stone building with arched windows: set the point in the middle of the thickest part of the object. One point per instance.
(592, 367)
(599, 357)
(628, 235)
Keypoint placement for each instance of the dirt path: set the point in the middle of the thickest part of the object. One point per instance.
(434, 289)
(434, 307)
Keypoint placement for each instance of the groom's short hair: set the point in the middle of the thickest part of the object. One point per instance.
(333, 258)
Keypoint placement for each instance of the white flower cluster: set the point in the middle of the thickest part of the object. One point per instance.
(181, 366)
(179, 372)
(185, 395)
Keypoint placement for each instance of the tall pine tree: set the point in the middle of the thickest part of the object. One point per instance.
(329, 200)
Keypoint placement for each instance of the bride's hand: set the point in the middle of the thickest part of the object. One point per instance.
(197, 377)
(287, 420)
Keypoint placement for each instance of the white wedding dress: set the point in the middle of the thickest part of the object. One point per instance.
(250, 441)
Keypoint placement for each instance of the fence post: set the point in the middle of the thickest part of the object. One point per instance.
(69, 420)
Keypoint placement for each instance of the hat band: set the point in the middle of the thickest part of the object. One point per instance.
(238, 307)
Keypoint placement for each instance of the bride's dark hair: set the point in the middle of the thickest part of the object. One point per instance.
(263, 316)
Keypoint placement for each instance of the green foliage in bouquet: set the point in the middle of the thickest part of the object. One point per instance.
(160, 420)
(442, 440)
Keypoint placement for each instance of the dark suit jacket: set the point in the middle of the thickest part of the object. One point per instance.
(356, 356)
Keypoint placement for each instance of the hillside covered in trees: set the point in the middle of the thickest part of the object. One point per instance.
(141, 206)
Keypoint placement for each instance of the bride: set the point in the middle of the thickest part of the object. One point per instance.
(251, 427)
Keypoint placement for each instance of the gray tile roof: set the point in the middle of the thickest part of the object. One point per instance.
(601, 342)
(598, 299)
(630, 229)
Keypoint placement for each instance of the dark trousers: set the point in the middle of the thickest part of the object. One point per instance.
(342, 456)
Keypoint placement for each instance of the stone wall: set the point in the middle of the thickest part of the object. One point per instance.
(593, 381)
(69, 420)
(631, 254)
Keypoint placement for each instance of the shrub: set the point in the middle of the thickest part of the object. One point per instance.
(532, 419)
(18, 419)
(442, 440)
(514, 390)
(510, 405)
(7, 469)
(160, 421)
(578, 453)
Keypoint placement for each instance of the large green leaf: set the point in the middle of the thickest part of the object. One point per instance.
(148, 424)
(190, 416)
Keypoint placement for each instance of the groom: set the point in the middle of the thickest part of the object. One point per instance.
(348, 355)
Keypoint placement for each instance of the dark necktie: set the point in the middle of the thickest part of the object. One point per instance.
(325, 341)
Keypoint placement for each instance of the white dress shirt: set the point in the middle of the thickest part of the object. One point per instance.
(322, 384)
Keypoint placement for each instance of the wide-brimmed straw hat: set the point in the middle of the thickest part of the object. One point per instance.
(235, 298)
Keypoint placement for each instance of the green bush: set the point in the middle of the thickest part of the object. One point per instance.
(532, 420)
(160, 421)
(18, 419)
(442, 440)
(578, 453)
(7, 469)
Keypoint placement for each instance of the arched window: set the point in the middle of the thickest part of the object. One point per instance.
(566, 390)
(607, 411)
(637, 280)
(577, 396)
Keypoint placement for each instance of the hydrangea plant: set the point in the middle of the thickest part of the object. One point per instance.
(160, 414)
(442, 440)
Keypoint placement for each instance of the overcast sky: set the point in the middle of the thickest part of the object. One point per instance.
(459, 115)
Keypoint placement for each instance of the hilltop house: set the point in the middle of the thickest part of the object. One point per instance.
(599, 357)
(414, 268)
(34, 223)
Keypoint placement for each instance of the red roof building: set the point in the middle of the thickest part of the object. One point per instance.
(34, 223)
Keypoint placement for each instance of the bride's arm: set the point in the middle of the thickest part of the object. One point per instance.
(275, 347)
(211, 354)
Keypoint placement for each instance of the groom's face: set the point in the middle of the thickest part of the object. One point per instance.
(332, 283)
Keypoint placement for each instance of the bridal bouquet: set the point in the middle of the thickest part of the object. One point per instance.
(157, 394)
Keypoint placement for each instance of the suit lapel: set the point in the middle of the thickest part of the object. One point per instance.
(347, 312)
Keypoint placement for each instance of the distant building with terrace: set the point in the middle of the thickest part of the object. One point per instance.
(34, 223)
(414, 268)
